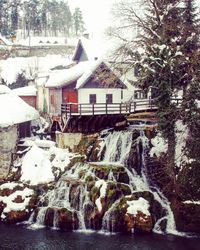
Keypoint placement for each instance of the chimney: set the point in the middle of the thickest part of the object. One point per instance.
(86, 35)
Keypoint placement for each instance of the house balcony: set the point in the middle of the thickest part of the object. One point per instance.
(87, 109)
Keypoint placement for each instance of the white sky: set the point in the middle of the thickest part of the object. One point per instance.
(96, 13)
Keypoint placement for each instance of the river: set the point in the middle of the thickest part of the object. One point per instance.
(18, 237)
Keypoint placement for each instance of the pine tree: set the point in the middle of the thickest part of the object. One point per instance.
(14, 17)
(190, 106)
(78, 21)
(161, 65)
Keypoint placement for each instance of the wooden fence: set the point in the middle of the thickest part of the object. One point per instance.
(84, 109)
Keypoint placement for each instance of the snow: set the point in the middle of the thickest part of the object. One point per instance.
(62, 157)
(141, 205)
(29, 142)
(13, 109)
(6, 41)
(64, 77)
(42, 41)
(10, 185)
(13, 206)
(91, 68)
(103, 187)
(36, 167)
(91, 48)
(159, 146)
(37, 164)
(192, 202)
(26, 91)
(31, 67)
(181, 137)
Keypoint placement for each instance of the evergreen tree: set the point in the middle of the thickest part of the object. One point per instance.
(190, 105)
(14, 17)
(78, 21)
(162, 62)
(189, 42)
(66, 18)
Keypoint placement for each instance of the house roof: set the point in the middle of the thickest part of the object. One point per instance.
(65, 77)
(13, 110)
(81, 73)
(93, 49)
(91, 70)
(43, 41)
(5, 41)
(26, 91)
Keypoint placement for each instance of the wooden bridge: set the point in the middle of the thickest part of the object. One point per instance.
(86, 118)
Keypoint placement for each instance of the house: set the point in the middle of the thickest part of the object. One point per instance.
(5, 47)
(84, 83)
(28, 94)
(86, 50)
(83, 87)
(90, 87)
(15, 118)
(59, 86)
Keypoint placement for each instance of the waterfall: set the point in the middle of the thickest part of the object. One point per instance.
(71, 191)
(117, 147)
(60, 197)
(108, 220)
(171, 225)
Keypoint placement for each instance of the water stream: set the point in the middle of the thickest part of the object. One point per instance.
(114, 151)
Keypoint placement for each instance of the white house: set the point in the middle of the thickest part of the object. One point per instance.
(88, 82)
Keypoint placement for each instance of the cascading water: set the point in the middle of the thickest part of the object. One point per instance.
(72, 193)
(117, 146)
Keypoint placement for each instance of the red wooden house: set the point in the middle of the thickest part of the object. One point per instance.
(28, 94)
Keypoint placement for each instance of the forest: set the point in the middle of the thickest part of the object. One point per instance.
(39, 17)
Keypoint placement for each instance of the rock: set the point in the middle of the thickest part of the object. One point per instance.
(19, 206)
(17, 216)
(67, 220)
(93, 218)
(139, 223)
(187, 216)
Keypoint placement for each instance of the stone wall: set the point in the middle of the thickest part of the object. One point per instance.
(25, 51)
(68, 140)
(8, 140)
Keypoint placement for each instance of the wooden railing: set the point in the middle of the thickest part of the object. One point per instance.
(81, 109)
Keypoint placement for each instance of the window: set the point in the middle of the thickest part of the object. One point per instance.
(93, 98)
(109, 98)
(140, 94)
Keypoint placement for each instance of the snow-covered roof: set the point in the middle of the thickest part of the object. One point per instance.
(80, 72)
(13, 110)
(5, 41)
(43, 41)
(65, 77)
(30, 66)
(86, 45)
(26, 91)
(92, 66)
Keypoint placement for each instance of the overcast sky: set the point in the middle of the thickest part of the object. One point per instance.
(96, 13)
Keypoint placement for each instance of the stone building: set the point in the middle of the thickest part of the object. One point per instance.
(14, 113)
